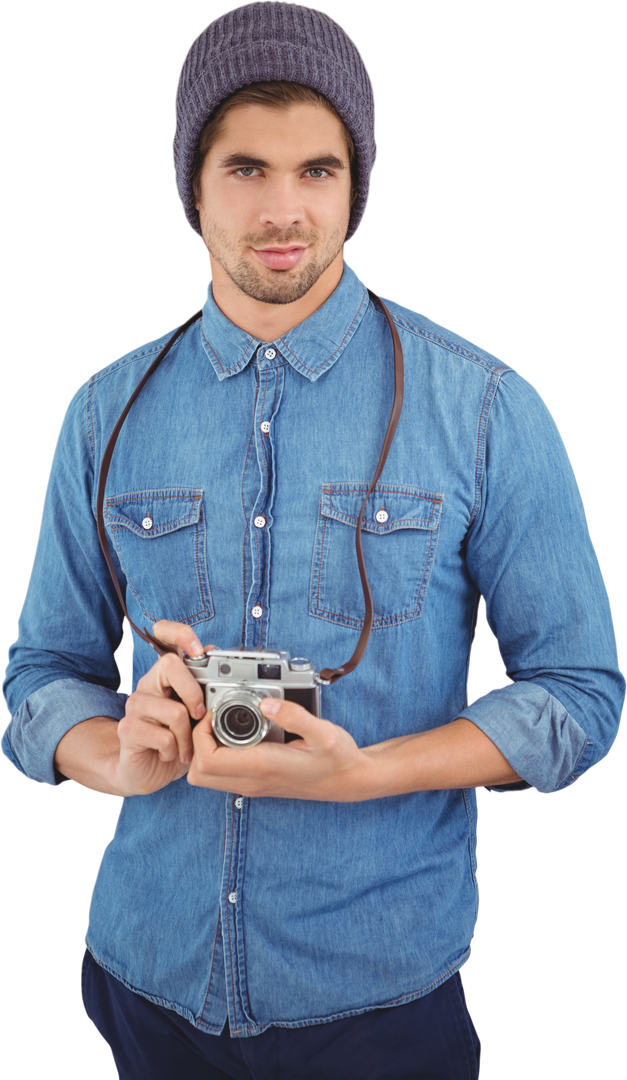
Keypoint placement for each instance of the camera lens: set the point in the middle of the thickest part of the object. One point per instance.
(239, 722)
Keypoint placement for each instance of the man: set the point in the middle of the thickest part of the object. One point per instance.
(326, 901)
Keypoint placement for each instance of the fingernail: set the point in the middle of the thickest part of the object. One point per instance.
(187, 760)
(270, 706)
(196, 647)
(200, 712)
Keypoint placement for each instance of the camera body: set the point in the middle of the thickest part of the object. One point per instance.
(236, 681)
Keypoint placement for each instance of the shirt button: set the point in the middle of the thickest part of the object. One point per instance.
(265, 426)
(147, 523)
(257, 612)
(239, 802)
(382, 516)
(270, 354)
(260, 522)
(232, 897)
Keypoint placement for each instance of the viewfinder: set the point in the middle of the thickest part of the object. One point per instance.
(269, 671)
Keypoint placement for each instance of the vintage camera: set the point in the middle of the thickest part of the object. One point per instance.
(237, 680)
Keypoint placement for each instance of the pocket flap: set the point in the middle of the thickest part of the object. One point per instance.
(154, 513)
(390, 506)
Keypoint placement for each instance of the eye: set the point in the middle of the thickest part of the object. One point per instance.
(247, 170)
(317, 174)
(250, 169)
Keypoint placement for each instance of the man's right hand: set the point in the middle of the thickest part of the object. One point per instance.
(152, 744)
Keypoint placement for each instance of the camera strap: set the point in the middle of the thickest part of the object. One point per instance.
(329, 675)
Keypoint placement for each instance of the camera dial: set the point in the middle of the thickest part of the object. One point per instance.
(298, 663)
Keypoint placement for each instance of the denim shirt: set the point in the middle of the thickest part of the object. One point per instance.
(292, 912)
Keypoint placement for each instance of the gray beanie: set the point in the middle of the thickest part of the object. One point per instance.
(265, 42)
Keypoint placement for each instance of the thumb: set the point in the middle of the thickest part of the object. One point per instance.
(291, 717)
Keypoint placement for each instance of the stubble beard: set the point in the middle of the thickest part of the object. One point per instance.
(260, 282)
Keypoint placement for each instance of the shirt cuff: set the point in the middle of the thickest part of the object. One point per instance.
(41, 721)
(542, 742)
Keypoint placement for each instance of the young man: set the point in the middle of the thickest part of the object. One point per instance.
(317, 895)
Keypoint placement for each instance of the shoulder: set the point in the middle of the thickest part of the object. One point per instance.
(99, 401)
(418, 331)
(129, 363)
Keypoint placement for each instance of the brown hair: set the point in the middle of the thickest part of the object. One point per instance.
(273, 95)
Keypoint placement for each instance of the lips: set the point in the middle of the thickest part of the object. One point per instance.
(280, 258)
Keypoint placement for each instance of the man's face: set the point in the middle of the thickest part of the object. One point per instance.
(275, 198)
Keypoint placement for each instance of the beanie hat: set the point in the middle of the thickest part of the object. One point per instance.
(264, 42)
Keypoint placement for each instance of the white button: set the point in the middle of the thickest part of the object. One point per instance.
(232, 897)
(257, 612)
(382, 516)
(270, 354)
(147, 523)
(239, 802)
(265, 426)
(260, 521)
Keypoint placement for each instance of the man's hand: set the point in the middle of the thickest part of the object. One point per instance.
(325, 764)
(155, 733)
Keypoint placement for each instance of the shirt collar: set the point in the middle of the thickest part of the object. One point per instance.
(311, 348)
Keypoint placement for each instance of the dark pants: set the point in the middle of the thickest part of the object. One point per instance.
(432, 1038)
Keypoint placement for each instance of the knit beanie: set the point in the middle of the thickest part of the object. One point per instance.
(263, 42)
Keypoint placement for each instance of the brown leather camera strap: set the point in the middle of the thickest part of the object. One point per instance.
(329, 675)
(159, 646)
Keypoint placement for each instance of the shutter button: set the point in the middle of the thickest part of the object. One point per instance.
(265, 426)
(257, 612)
(147, 523)
(270, 354)
(260, 522)
(382, 516)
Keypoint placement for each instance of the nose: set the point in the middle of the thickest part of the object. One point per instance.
(283, 205)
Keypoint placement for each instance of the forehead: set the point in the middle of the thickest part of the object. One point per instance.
(299, 131)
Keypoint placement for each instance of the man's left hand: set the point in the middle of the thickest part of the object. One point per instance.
(325, 764)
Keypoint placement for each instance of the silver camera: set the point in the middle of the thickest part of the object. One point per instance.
(235, 683)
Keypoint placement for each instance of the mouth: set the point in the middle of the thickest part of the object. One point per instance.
(280, 258)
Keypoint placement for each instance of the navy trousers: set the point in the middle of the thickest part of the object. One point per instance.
(432, 1038)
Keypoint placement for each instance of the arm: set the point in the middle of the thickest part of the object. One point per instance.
(530, 555)
(89, 752)
(457, 755)
(327, 765)
(62, 669)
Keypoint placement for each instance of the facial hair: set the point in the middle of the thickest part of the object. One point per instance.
(260, 282)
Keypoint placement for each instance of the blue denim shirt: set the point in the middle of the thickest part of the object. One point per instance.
(338, 907)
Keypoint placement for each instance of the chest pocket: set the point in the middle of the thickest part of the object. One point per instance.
(399, 537)
(160, 540)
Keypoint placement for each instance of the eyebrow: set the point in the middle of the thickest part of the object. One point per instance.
(231, 161)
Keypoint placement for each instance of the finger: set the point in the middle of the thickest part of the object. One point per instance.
(292, 717)
(171, 673)
(162, 712)
(141, 734)
(183, 637)
(212, 759)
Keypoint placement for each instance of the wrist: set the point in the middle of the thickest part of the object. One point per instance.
(372, 779)
(89, 753)
(113, 777)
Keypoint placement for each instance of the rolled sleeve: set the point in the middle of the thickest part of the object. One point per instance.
(530, 555)
(42, 720)
(62, 668)
(538, 736)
